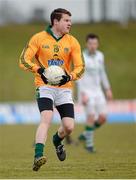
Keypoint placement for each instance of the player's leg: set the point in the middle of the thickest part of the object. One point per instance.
(65, 107)
(67, 127)
(84, 100)
(87, 135)
(96, 116)
(100, 121)
(101, 108)
(89, 132)
(66, 112)
(91, 126)
(46, 110)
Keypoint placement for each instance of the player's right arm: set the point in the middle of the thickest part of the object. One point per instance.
(26, 60)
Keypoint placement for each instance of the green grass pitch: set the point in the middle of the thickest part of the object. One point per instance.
(115, 156)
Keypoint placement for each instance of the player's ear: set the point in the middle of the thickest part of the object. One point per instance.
(55, 21)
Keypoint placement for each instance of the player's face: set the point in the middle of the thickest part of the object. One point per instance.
(64, 24)
(92, 45)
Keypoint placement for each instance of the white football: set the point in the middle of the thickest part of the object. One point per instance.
(54, 74)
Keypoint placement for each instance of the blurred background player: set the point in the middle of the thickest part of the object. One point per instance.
(45, 46)
(92, 88)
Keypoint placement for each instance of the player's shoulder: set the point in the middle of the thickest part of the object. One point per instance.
(72, 39)
(39, 34)
(85, 53)
(100, 55)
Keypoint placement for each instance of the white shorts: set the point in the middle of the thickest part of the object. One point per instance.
(96, 105)
(59, 96)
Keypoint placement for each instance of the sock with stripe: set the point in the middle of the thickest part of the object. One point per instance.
(89, 136)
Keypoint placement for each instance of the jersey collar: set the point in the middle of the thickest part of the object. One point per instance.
(48, 30)
(90, 54)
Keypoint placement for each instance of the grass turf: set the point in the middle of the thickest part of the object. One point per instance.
(115, 156)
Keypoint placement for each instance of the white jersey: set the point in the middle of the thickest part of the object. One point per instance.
(95, 76)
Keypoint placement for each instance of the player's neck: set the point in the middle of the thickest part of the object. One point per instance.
(92, 52)
(56, 33)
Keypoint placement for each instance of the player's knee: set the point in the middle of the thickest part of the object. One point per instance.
(90, 119)
(102, 119)
(69, 128)
(68, 125)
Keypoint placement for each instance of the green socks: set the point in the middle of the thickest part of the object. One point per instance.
(57, 140)
(97, 125)
(39, 147)
(89, 136)
(89, 128)
(39, 150)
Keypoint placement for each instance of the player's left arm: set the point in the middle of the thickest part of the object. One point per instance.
(78, 61)
(105, 82)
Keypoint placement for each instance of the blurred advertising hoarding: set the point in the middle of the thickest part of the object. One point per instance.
(28, 113)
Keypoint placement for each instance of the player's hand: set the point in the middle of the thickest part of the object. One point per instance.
(109, 95)
(41, 72)
(65, 78)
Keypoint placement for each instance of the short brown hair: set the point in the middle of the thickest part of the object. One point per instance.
(57, 14)
(92, 36)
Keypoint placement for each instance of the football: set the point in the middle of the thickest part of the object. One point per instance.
(54, 74)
